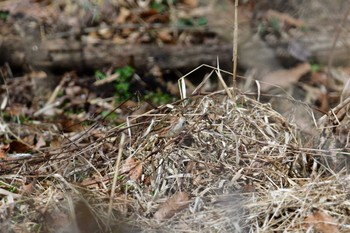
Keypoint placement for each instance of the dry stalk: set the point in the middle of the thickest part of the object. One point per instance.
(115, 178)
(235, 48)
(241, 163)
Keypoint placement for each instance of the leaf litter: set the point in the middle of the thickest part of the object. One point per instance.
(208, 163)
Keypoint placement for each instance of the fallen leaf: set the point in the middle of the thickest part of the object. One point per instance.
(71, 125)
(119, 40)
(40, 143)
(165, 36)
(28, 188)
(191, 3)
(16, 110)
(319, 78)
(322, 222)
(124, 13)
(56, 142)
(285, 18)
(92, 182)
(284, 78)
(133, 167)
(174, 204)
(3, 150)
(19, 147)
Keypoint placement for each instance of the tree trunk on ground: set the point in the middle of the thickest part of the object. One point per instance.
(72, 54)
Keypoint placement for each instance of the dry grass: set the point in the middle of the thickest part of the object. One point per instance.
(242, 165)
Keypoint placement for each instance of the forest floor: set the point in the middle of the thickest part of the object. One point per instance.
(111, 122)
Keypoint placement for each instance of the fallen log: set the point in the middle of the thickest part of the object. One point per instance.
(69, 54)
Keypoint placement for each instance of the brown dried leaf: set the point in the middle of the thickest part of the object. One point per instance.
(191, 3)
(124, 13)
(119, 40)
(40, 143)
(319, 78)
(284, 78)
(133, 167)
(322, 222)
(16, 109)
(28, 188)
(71, 125)
(165, 36)
(286, 18)
(92, 182)
(56, 142)
(3, 150)
(19, 147)
(174, 204)
(73, 91)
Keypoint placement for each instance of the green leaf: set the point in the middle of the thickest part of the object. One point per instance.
(185, 22)
(99, 75)
(4, 15)
(202, 21)
(159, 7)
(125, 73)
(315, 67)
(275, 24)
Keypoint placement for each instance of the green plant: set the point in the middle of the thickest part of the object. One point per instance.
(159, 7)
(162, 5)
(110, 116)
(201, 21)
(275, 24)
(12, 189)
(99, 75)
(123, 92)
(4, 15)
(315, 67)
(122, 85)
(158, 98)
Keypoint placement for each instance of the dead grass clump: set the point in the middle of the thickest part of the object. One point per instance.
(203, 164)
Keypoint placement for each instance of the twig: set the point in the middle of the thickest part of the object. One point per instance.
(116, 173)
(234, 57)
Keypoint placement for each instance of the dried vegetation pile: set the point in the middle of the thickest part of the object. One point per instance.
(208, 163)
(213, 162)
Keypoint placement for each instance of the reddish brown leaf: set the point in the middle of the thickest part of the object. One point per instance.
(19, 147)
(56, 142)
(174, 204)
(3, 150)
(69, 126)
(322, 222)
(28, 188)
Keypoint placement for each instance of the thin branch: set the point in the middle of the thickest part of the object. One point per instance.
(235, 38)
